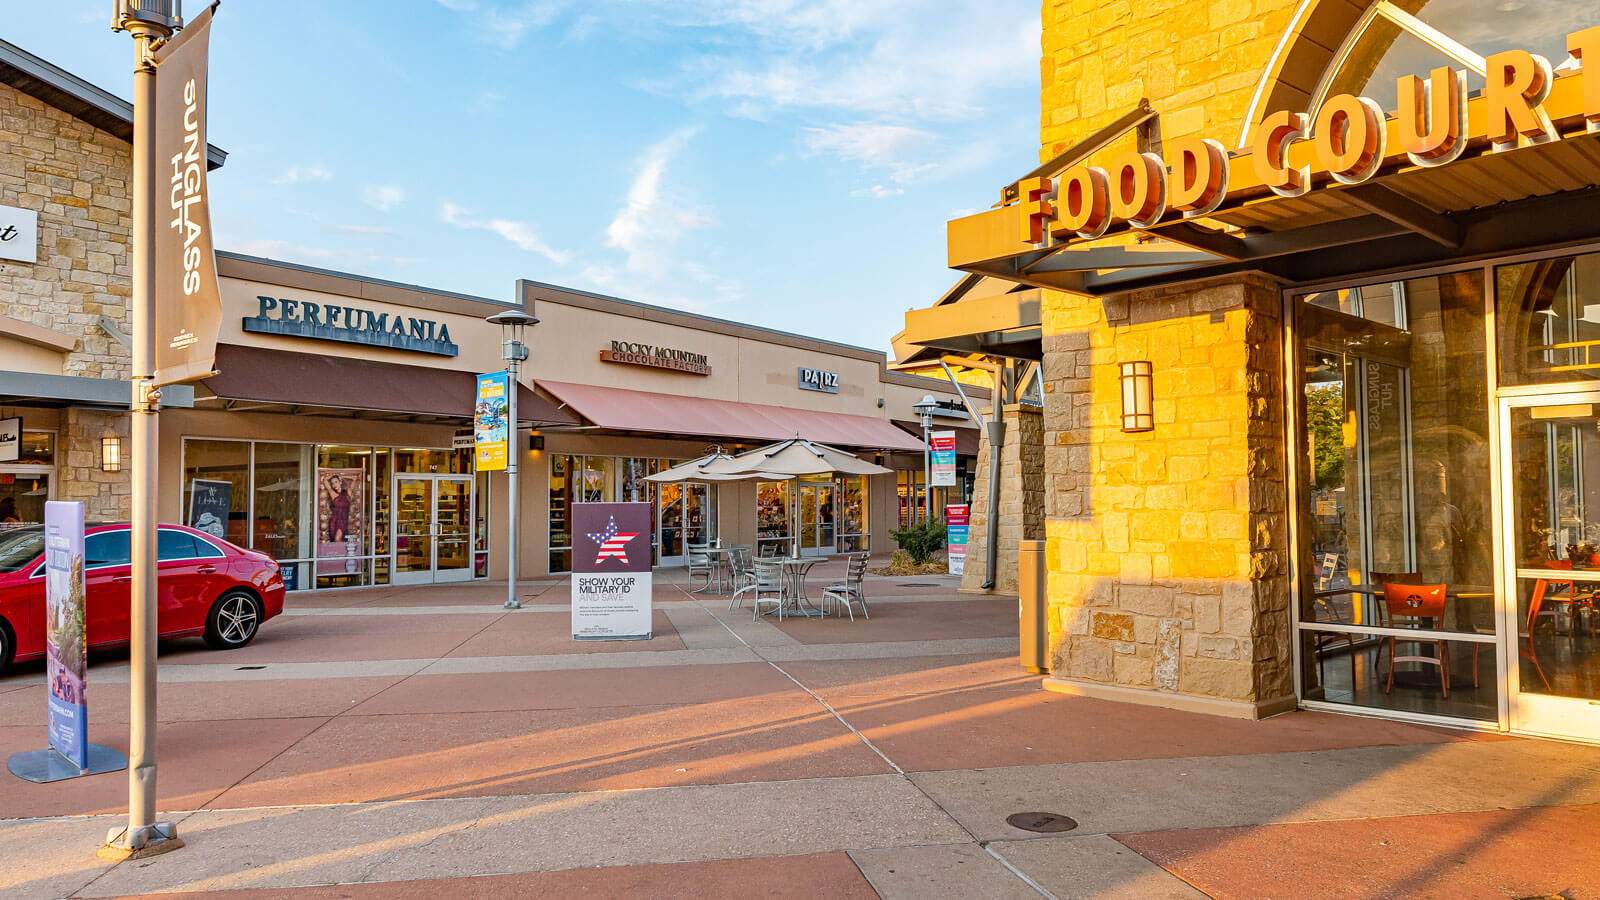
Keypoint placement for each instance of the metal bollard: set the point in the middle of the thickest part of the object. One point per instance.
(1032, 632)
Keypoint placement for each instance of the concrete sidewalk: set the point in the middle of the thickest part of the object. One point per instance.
(423, 741)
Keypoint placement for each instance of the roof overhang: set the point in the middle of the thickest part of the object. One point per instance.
(1488, 202)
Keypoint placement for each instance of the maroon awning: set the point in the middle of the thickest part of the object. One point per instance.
(629, 410)
(265, 375)
(967, 439)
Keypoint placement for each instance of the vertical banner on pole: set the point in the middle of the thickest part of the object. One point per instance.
(188, 305)
(66, 637)
(611, 578)
(955, 529)
(491, 422)
(943, 445)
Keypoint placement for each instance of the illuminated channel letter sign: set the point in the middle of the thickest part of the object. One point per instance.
(1346, 141)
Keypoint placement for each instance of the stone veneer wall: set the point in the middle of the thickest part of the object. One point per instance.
(77, 178)
(1167, 551)
(1021, 499)
(104, 495)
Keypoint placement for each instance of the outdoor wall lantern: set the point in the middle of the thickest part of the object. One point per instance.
(536, 441)
(1138, 401)
(111, 454)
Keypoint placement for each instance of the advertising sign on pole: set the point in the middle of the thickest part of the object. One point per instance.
(491, 422)
(188, 305)
(611, 578)
(66, 638)
(955, 539)
(944, 458)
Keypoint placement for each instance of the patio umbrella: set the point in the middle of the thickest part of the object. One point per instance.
(706, 468)
(797, 456)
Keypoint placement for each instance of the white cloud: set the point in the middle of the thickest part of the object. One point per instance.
(295, 174)
(877, 192)
(273, 248)
(382, 197)
(647, 219)
(506, 28)
(459, 5)
(877, 145)
(521, 234)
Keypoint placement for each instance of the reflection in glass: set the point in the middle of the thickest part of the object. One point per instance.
(1557, 529)
(279, 525)
(562, 490)
(222, 461)
(1549, 317)
(1355, 669)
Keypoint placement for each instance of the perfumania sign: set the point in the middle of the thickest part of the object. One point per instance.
(1346, 142)
(350, 325)
(656, 357)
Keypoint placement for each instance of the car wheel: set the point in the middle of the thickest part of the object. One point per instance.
(233, 621)
(8, 644)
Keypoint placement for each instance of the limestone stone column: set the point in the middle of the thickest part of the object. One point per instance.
(1167, 551)
(1022, 484)
(105, 495)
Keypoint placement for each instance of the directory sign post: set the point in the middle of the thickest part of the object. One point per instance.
(944, 458)
(955, 540)
(611, 577)
(66, 640)
(491, 421)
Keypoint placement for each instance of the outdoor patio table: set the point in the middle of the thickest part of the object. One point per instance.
(721, 570)
(794, 570)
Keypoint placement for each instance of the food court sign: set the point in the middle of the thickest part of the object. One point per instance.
(1346, 142)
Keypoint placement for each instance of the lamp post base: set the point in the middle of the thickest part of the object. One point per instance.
(513, 604)
(151, 840)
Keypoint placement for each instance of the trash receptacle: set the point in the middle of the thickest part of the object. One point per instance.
(1033, 634)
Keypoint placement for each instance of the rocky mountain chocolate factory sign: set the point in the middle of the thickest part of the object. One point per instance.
(351, 325)
(656, 357)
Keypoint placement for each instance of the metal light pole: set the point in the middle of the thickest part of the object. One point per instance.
(925, 408)
(512, 322)
(148, 21)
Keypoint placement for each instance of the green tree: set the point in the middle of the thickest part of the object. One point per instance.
(1325, 417)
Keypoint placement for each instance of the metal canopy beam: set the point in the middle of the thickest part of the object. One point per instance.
(1402, 210)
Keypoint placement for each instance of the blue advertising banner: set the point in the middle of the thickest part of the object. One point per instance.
(942, 448)
(491, 425)
(611, 575)
(66, 639)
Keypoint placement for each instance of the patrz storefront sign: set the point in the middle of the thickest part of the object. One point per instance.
(818, 380)
(656, 357)
(351, 325)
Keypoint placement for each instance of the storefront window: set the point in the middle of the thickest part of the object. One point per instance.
(25, 484)
(561, 493)
(432, 462)
(216, 489)
(911, 485)
(480, 555)
(598, 479)
(1395, 490)
(1549, 317)
(380, 516)
(281, 503)
(854, 530)
(343, 494)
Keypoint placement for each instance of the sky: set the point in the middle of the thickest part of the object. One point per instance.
(783, 163)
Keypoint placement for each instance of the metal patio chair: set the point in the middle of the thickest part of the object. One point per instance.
(850, 590)
(766, 587)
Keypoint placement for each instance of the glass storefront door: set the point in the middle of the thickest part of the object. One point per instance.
(1550, 442)
(687, 515)
(433, 528)
(817, 523)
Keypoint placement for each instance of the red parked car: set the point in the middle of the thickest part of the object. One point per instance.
(206, 586)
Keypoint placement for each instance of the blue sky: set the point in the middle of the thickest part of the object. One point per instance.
(788, 164)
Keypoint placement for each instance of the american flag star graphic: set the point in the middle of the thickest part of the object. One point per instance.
(612, 544)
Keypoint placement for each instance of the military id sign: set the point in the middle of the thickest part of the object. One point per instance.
(611, 577)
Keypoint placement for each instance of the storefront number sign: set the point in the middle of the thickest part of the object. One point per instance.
(66, 640)
(611, 578)
(944, 458)
(956, 516)
(491, 425)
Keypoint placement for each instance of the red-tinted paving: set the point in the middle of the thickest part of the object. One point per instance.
(527, 633)
(577, 688)
(901, 621)
(1542, 852)
(407, 757)
(830, 875)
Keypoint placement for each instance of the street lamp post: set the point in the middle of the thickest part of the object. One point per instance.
(925, 408)
(512, 323)
(148, 21)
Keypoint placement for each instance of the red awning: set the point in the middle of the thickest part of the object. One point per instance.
(628, 410)
(296, 380)
(967, 439)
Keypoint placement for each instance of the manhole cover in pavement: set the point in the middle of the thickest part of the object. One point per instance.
(919, 584)
(1041, 822)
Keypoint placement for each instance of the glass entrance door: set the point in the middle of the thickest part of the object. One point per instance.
(1550, 444)
(432, 529)
(685, 516)
(817, 522)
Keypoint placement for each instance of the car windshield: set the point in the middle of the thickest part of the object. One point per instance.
(19, 547)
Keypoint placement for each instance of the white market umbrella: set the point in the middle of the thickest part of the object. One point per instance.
(798, 456)
(706, 468)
